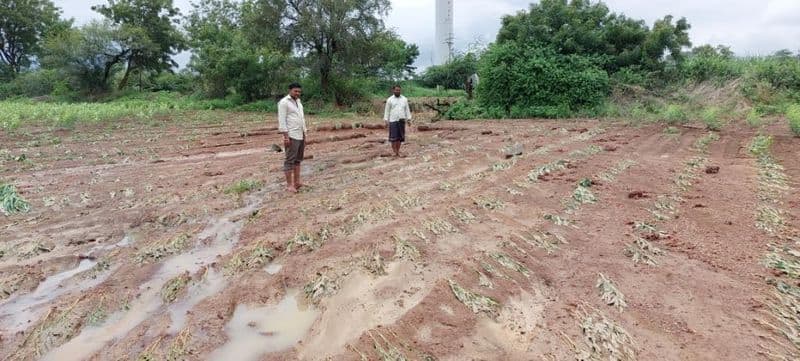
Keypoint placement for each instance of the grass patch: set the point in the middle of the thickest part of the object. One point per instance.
(474, 301)
(674, 114)
(244, 186)
(754, 119)
(711, 118)
(585, 152)
(760, 145)
(408, 201)
(162, 249)
(609, 293)
(793, 116)
(10, 201)
(706, 140)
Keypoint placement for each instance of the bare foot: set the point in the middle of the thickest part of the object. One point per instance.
(299, 185)
(291, 189)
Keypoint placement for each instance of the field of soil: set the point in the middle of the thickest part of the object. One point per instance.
(501, 240)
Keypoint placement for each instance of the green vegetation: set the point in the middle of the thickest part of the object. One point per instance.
(557, 59)
(244, 186)
(10, 201)
(793, 116)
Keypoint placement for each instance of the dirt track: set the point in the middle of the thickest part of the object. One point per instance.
(133, 250)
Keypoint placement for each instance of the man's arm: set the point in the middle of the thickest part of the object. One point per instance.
(283, 127)
(387, 110)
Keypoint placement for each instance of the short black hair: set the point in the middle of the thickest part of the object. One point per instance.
(396, 86)
(295, 86)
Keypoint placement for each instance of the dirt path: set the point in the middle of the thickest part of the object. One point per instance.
(138, 247)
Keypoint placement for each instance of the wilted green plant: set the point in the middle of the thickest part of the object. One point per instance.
(249, 259)
(785, 260)
(546, 169)
(474, 301)
(405, 250)
(510, 263)
(173, 287)
(163, 249)
(760, 145)
(609, 293)
(312, 241)
(439, 226)
(488, 203)
(11, 202)
(544, 240)
(463, 215)
(604, 339)
(558, 220)
(770, 219)
(643, 251)
(320, 287)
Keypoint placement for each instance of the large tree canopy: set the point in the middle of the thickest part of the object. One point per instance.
(23, 25)
(147, 34)
(585, 27)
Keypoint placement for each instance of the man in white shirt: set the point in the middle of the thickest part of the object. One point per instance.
(292, 124)
(396, 114)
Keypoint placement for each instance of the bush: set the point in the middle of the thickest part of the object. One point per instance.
(674, 114)
(753, 118)
(452, 75)
(793, 115)
(32, 84)
(539, 82)
(714, 67)
(174, 82)
(711, 118)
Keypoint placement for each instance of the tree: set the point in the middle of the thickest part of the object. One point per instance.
(89, 56)
(451, 75)
(146, 32)
(586, 27)
(23, 25)
(228, 58)
(332, 33)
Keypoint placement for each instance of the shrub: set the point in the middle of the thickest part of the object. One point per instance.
(753, 118)
(674, 114)
(452, 75)
(793, 115)
(711, 118)
(533, 81)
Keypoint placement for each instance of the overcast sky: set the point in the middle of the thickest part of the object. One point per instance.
(750, 27)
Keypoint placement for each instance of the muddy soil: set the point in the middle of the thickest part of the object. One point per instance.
(176, 241)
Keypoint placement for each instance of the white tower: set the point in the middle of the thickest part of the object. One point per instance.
(443, 49)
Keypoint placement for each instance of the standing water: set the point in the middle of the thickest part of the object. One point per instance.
(255, 331)
(16, 312)
(225, 234)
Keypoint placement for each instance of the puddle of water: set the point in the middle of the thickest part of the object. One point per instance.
(255, 331)
(16, 312)
(211, 284)
(225, 235)
(273, 268)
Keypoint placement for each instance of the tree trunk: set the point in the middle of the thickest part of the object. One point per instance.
(124, 82)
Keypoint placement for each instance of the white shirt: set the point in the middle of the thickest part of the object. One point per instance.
(396, 109)
(291, 118)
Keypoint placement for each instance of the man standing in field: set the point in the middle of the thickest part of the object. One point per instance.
(396, 115)
(292, 124)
